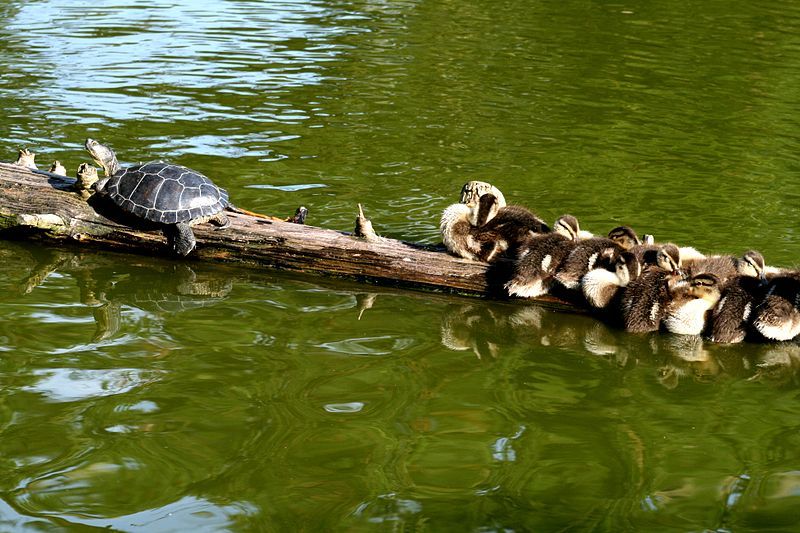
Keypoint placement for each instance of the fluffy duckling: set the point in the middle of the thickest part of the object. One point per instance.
(751, 263)
(585, 254)
(690, 302)
(511, 227)
(539, 257)
(777, 316)
(460, 227)
(733, 313)
(601, 285)
(644, 300)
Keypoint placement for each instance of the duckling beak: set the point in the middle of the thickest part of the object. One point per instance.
(762, 278)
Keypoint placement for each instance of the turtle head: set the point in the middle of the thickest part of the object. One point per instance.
(103, 156)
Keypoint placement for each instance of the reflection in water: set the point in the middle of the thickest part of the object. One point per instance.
(165, 290)
(485, 328)
(71, 384)
(280, 403)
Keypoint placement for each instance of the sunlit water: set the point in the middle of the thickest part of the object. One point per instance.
(149, 394)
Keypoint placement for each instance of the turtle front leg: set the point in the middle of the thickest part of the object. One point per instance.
(180, 238)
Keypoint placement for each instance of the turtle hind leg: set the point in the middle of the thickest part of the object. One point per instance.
(220, 220)
(180, 238)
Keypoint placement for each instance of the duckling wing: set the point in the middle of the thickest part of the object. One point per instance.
(643, 302)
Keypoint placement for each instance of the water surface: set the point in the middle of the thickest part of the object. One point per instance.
(150, 394)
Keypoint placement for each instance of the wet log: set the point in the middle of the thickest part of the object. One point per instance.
(41, 206)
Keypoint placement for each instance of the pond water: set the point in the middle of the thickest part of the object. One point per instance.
(150, 394)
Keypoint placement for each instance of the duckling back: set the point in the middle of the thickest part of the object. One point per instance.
(584, 257)
(511, 227)
(538, 258)
(643, 303)
(456, 231)
(732, 316)
(600, 286)
(536, 262)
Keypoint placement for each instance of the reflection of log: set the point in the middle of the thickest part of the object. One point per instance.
(39, 205)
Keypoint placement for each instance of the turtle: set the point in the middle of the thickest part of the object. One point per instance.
(169, 195)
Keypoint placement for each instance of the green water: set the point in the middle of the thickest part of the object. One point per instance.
(145, 394)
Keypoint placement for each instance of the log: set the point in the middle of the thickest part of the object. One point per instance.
(40, 206)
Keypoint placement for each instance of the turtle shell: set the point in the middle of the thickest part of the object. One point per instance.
(165, 193)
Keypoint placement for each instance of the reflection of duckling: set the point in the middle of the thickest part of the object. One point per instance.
(600, 285)
(686, 357)
(685, 314)
(644, 299)
(778, 364)
(583, 257)
(540, 256)
(777, 316)
(733, 312)
(465, 328)
(460, 225)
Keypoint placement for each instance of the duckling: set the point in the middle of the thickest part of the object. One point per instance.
(685, 314)
(777, 316)
(751, 263)
(600, 285)
(540, 256)
(647, 251)
(584, 256)
(733, 313)
(643, 301)
(460, 225)
(509, 228)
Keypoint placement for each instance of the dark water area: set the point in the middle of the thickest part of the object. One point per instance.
(148, 394)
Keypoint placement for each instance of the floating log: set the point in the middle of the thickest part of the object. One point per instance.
(40, 206)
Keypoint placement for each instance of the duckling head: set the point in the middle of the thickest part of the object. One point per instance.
(567, 225)
(487, 207)
(751, 264)
(705, 286)
(625, 237)
(648, 240)
(669, 258)
(627, 267)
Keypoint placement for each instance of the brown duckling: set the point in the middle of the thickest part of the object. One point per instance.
(644, 300)
(690, 302)
(460, 226)
(751, 263)
(733, 313)
(601, 285)
(777, 316)
(539, 257)
(584, 255)
(510, 227)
